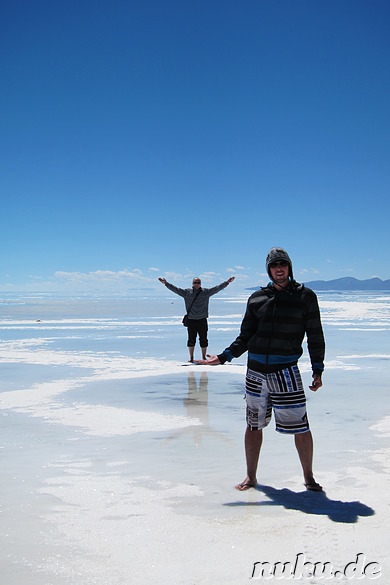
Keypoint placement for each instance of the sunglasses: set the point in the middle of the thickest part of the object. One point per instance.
(196, 282)
(282, 263)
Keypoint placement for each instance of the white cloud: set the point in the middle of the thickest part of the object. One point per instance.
(103, 278)
(211, 278)
(176, 277)
(235, 269)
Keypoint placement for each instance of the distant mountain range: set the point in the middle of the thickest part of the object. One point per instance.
(349, 283)
(346, 283)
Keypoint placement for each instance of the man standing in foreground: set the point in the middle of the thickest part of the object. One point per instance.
(197, 306)
(272, 331)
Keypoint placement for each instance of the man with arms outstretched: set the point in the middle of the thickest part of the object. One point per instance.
(197, 304)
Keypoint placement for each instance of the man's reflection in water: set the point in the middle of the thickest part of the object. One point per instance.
(196, 406)
(196, 402)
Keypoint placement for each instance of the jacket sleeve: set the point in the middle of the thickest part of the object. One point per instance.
(240, 345)
(175, 289)
(215, 289)
(315, 335)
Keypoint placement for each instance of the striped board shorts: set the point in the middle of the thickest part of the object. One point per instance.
(281, 392)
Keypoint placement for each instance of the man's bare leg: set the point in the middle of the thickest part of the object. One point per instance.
(191, 351)
(253, 441)
(204, 352)
(304, 445)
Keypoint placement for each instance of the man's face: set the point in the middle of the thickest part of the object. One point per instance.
(279, 272)
(196, 283)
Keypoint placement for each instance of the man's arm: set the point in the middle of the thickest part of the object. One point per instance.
(315, 340)
(239, 346)
(175, 289)
(216, 289)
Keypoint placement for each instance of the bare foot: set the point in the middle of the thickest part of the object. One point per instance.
(313, 486)
(246, 485)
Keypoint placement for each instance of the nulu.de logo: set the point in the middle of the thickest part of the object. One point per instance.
(300, 568)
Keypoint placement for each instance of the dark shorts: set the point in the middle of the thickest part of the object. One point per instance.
(197, 327)
(281, 392)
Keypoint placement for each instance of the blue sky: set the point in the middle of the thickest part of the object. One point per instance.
(177, 138)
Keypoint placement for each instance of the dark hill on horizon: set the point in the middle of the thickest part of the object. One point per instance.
(346, 284)
(349, 283)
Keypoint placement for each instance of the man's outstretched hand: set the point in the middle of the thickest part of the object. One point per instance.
(212, 360)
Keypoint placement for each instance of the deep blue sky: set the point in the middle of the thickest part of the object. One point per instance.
(177, 138)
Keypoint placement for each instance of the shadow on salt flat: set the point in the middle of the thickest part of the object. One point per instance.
(310, 503)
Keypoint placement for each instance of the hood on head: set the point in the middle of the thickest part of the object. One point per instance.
(276, 255)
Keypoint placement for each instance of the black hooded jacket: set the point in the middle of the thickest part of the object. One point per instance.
(274, 326)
